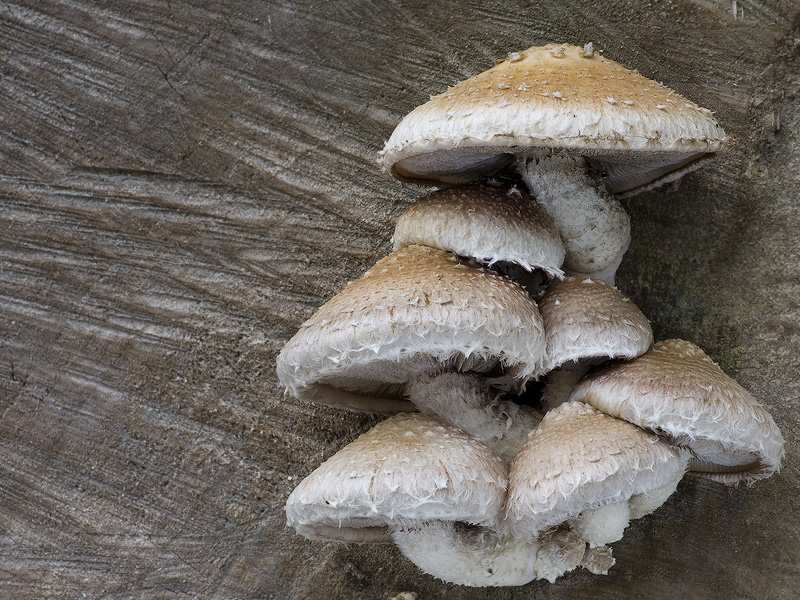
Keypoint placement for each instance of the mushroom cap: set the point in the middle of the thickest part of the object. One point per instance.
(488, 223)
(408, 469)
(677, 391)
(417, 309)
(586, 319)
(578, 460)
(555, 97)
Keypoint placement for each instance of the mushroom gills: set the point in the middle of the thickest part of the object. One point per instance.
(698, 465)
(450, 166)
(374, 534)
(370, 382)
(716, 458)
(626, 178)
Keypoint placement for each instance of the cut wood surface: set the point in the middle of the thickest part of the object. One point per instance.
(182, 184)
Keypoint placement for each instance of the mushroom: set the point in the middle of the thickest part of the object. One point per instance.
(591, 471)
(499, 226)
(434, 490)
(406, 470)
(586, 323)
(424, 328)
(678, 392)
(578, 127)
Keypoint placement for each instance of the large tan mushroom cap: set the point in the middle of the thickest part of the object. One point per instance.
(586, 319)
(677, 391)
(417, 309)
(596, 471)
(555, 97)
(406, 470)
(488, 223)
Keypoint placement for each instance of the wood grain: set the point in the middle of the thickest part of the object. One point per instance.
(182, 184)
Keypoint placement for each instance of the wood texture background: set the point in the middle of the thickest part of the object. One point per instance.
(182, 184)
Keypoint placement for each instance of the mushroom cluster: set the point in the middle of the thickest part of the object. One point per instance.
(493, 285)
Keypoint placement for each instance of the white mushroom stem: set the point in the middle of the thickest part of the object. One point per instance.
(606, 524)
(466, 401)
(470, 556)
(593, 224)
(561, 381)
(608, 274)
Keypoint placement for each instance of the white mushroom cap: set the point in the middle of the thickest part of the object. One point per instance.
(417, 309)
(488, 223)
(555, 97)
(677, 391)
(587, 322)
(586, 468)
(407, 470)
(587, 319)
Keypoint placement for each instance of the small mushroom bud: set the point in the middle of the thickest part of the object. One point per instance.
(587, 322)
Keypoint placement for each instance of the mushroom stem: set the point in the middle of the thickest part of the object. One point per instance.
(603, 525)
(594, 227)
(466, 401)
(473, 556)
(561, 381)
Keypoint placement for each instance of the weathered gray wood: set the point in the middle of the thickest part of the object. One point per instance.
(183, 184)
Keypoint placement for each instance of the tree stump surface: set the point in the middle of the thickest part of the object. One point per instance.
(182, 184)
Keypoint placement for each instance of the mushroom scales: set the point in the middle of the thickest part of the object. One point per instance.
(587, 322)
(592, 471)
(434, 327)
(406, 470)
(638, 133)
(416, 309)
